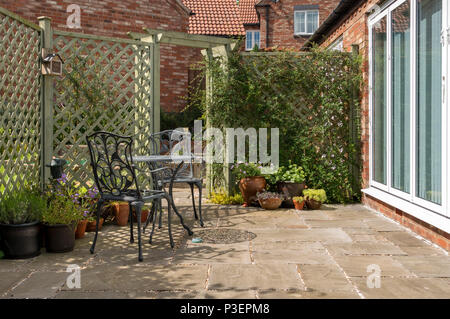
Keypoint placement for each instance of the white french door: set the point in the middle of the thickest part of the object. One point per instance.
(408, 104)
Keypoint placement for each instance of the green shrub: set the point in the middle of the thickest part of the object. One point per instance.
(243, 170)
(314, 101)
(23, 207)
(224, 199)
(291, 173)
(62, 211)
(315, 194)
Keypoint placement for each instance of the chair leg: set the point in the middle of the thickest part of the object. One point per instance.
(160, 213)
(200, 187)
(176, 211)
(99, 207)
(150, 217)
(169, 223)
(138, 216)
(193, 200)
(154, 222)
(131, 222)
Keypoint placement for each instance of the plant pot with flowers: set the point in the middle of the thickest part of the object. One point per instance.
(269, 200)
(88, 201)
(290, 181)
(314, 198)
(250, 180)
(20, 216)
(62, 215)
(299, 202)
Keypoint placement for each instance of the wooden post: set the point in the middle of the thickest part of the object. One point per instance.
(209, 181)
(227, 167)
(354, 138)
(156, 83)
(46, 104)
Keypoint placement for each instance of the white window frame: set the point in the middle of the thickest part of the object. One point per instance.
(252, 32)
(306, 21)
(436, 215)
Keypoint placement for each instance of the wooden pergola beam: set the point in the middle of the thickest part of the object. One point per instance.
(184, 39)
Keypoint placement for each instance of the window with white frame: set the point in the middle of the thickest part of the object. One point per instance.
(337, 45)
(408, 105)
(252, 40)
(306, 22)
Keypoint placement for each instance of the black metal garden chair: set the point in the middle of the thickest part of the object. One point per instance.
(173, 142)
(115, 177)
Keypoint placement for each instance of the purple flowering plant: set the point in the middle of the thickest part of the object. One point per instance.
(243, 170)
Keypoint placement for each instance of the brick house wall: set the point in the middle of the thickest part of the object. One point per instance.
(281, 22)
(354, 31)
(115, 18)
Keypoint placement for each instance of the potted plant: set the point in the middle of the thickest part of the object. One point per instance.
(62, 215)
(250, 181)
(290, 181)
(20, 215)
(314, 198)
(299, 202)
(270, 200)
(121, 212)
(144, 214)
(89, 203)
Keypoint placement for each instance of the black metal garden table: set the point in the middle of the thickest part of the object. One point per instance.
(154, 160)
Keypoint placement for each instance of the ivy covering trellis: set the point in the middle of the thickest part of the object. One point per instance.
(312, 98)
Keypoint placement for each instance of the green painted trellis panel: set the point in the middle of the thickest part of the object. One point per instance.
(106, 86)
(20, 103)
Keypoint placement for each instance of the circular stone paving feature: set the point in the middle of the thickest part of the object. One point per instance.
(224, 236)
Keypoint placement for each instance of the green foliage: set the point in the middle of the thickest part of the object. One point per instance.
(243, 170)
(22, 207)
(1, 254)
(292, 173)
(185, 118)
(313, 99)
(224, 199)
(298, 199)
(316, 194)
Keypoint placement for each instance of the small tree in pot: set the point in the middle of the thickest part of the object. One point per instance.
(20, 215)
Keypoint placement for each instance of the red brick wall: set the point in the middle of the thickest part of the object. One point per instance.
(116, 18)
(281, 22)
(354, 30)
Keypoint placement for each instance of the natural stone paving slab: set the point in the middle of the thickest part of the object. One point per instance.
(427, 266)
(313, 215)
(353, 223)
(9, 279)
(405, 288)
(290, 252)
(382, 224)
(324, 278)
(361, 231)
(245, 277)
(213, 254)
(419, 252)
(40, 285)
(143, 278)
(226, 294)
(326, 235)
(301, 294)
(403, 239)
(365, 248)
(357, 266)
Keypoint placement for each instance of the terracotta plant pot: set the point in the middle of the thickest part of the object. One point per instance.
(81, 229)
(249, 187)
(121, 213)
(144, 215)
(290, 190)
(313, 204)
(271, 203)
(90, 227)
(299, 205)
(59, 238)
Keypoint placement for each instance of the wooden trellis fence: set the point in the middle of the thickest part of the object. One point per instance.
(109, 84)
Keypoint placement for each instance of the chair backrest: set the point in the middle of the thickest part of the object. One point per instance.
(172, 142)
(112, 163)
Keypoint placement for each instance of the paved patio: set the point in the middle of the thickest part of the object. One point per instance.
(284, 254)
